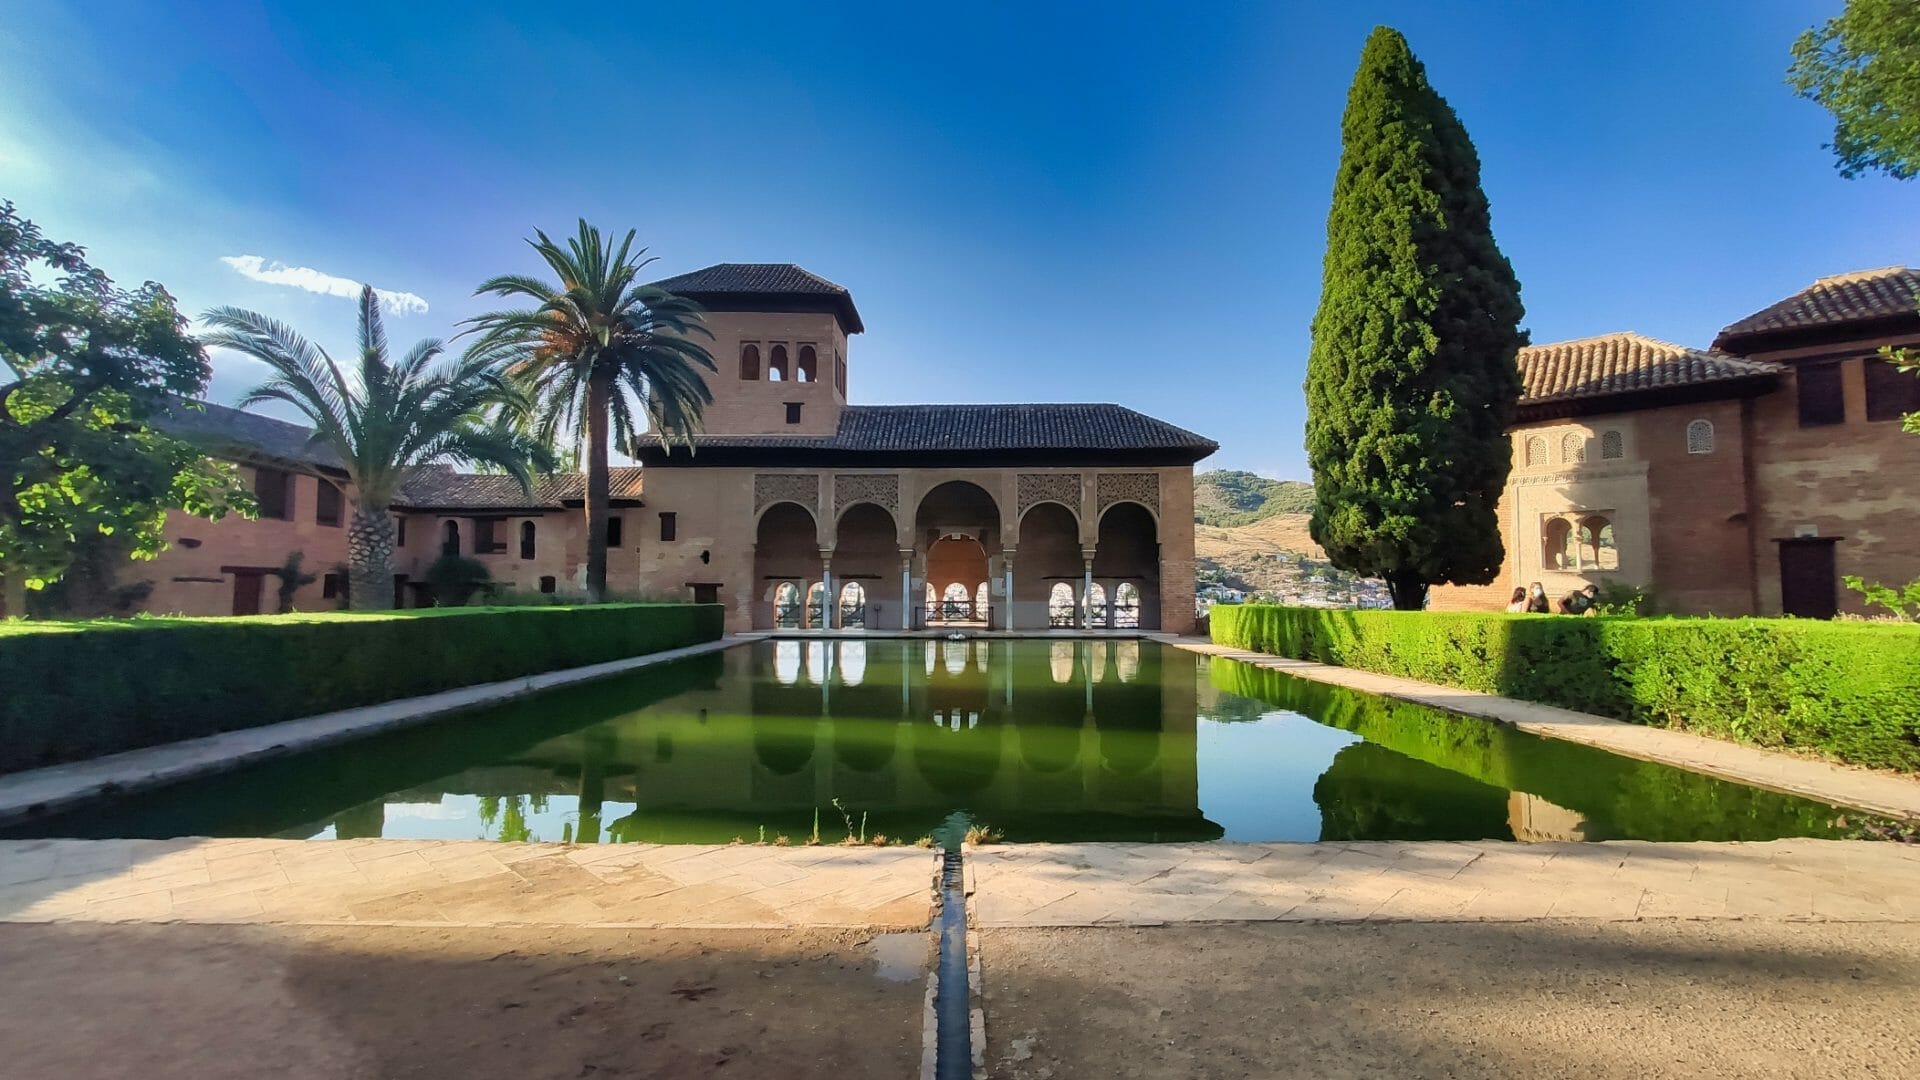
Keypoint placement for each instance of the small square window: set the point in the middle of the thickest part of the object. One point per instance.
(793, 412)
(669, 527)
(614, 531)
(1891, 393)
(333, 587)
(547, 584)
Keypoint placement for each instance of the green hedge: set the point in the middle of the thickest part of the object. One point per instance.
(79, 690)
(1849, 690)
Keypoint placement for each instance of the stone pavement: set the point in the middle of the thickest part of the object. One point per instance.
(463, 883)
(1825, 781)
(1153, 884)
(39, 791)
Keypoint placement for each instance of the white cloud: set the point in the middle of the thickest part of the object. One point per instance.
(302, 277)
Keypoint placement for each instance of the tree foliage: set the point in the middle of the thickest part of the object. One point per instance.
(385, 420)
(599, 351)
(1863, 66)
(85, 366)
(1411, 382)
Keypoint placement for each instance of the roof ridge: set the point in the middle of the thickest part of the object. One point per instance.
(1850, 276)
(1613, 335)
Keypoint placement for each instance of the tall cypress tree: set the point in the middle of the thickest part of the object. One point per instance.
(1411, 382)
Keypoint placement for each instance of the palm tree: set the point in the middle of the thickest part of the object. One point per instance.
(597, 344)
(384, 421)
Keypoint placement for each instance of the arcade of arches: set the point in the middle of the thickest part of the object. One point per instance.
(1063, 553)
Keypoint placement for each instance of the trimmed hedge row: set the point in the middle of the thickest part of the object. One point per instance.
(1847, 690)
(79, 690)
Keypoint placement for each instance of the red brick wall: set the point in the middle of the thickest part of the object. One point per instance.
(1698, 510)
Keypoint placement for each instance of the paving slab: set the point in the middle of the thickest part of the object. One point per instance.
(463, 883)
(1825, 781)
(1032, 885)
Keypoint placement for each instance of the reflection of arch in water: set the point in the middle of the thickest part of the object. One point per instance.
(783, 744)
(865, 745)
(955, 654)
(1096, 659)
(786, 662)
(852, 662)
(1126, 660)
(957, 762)
(1060, 662)
(816, 662)
(1048, 748)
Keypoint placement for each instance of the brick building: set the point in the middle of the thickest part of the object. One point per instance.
(1747, 478)
(795, 508)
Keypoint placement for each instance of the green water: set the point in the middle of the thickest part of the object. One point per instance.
(1043, 740)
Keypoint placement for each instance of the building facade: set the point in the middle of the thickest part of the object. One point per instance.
(1747, 478)
(793, 507)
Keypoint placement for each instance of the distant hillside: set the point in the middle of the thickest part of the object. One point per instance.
(1226, 498)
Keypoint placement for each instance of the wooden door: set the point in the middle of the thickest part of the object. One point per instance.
(1808, 587)
(246, 591)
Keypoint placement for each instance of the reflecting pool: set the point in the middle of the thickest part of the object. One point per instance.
(1044, 740)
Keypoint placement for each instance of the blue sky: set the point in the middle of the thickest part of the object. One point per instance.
(1084, 203)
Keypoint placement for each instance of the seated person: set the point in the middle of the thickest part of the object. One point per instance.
(1518, 601)
(1580, 602)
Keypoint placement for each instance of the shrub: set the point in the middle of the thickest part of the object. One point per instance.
(1848, 690)
(454, 579)
(79, 690)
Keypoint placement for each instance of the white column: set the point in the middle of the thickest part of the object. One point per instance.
(1007, 562)
(829, 602)
(1086, 593)
(906, 590)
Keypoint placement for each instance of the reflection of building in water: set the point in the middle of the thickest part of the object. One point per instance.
(1097, 741)
(1534, 819)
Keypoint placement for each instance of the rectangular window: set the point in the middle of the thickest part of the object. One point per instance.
(333, 587)
(669, 528)
(613, 531)
(793, 412)
(1891, 393)
(327, 508)
(1821, 402)
(274, 489)
(486, 537)
(400, 532)
(840, 373)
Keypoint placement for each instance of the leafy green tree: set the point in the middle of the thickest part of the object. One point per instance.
(1411, 380)
(83, 367)
(597, 344)
(1863, 66)
(384, 420)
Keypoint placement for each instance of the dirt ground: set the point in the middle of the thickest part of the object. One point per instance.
(1630, 1000)
(372, 1003)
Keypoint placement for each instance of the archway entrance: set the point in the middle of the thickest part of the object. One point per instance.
(1126, 569)
(866, 554)
(786, 564)
(957, 535)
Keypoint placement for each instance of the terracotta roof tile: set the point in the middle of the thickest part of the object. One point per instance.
(220, 429)
(1624, 363)
(934, 428)
(441, 488)
(723, 280)
(1836, 300)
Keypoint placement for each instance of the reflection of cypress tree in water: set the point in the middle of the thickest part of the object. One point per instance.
(513, 820)
(366, 821)
(598, 745)
(489, 813)
(1372, 793)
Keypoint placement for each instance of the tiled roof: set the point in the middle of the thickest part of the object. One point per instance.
(935, 428)
(1843, 298)
(441, 488)
(1624, 363)
(725, 280)
(221, 429)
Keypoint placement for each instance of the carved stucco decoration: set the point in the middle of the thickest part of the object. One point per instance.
(1032, 488)
(770, 488)
(880, 489)
(1143, 488)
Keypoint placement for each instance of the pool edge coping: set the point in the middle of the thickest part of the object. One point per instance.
(35, 793)
(1822, 781)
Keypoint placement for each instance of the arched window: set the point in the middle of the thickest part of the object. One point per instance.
(1613, 445)
(786, 605)
(1573, 448)
(1097, 605)
(450, 539)
(1061, 609)
(1556, 544)
(750, 362)
(1700, 437)
(526, 540)
(1597, 550)
(1126, 605)
(777, 369)
(809, 364)
(956, 603)
(1536, 450)
(980, 601)
(816, 604)
(933, 604)
(853, 605)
